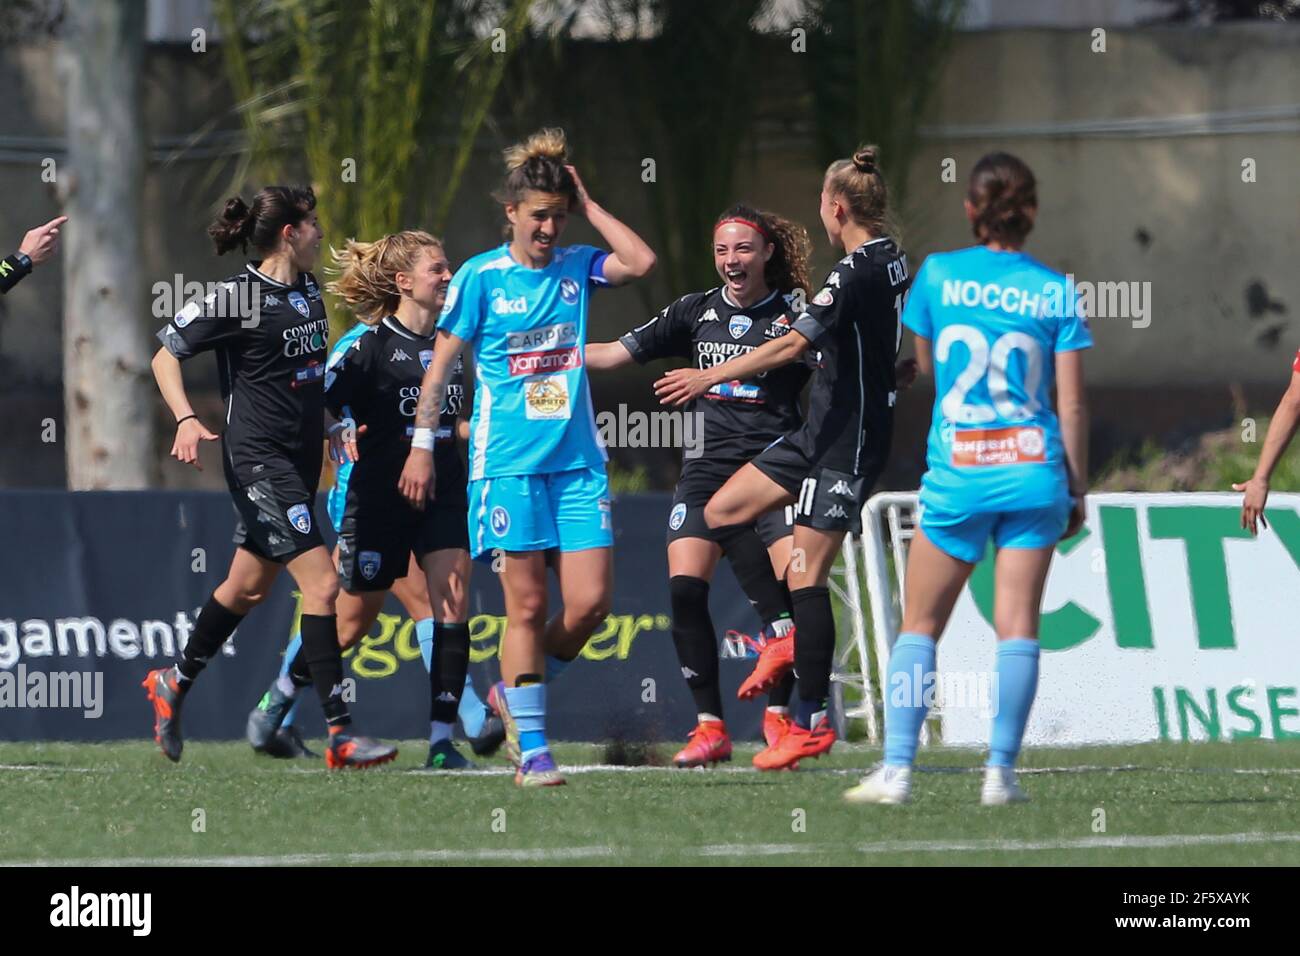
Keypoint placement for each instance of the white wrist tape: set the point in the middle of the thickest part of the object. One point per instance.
(423, 438)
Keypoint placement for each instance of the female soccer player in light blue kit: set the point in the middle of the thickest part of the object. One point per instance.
(537, 486)
(997, 328)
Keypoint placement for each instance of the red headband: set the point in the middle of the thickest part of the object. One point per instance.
(745, 222)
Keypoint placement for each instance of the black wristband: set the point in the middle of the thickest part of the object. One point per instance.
(12, 269)
(185, 419)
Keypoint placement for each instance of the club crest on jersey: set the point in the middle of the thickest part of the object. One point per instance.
(499, 520)
(568, 291)
(300, 517)
(368, 562)
(824, 297)
(298, 302)
(677, 517)
(739, 325)
(426, 356)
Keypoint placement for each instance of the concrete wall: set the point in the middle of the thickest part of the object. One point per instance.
(1159, 200)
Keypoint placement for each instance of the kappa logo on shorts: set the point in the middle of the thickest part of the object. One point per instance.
(841, 487)
(568, 291)
(836, 511)
(368, 562)
(499, 520)
(298, 302)
(300, 517)
(739, 325)
(677, 517)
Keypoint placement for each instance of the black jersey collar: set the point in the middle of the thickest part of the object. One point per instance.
(726, 297)
(392, 322)
(266, 278)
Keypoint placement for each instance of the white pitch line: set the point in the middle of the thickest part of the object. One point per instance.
(1163, 841)
(557, 854)
(38, 768)
(322, 859)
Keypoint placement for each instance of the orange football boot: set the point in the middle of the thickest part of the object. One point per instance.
(795, 745)
(709, 744)
(775, 660)
(775, 726)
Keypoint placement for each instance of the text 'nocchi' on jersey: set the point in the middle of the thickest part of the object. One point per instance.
(270, 341)
(853, 321)
(995, 321)
(739, 418)
(528, 328)
(375, 381)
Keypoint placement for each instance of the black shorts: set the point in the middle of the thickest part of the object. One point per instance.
(696, 487)
(825, 498)
(376, 543)
(276, 517)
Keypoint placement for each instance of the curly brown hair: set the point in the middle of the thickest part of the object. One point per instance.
(787, 270)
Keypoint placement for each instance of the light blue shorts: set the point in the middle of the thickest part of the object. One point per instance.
(569, 510)
(966, 536)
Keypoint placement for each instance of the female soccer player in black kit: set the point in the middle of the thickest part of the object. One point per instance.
(827, 467)
(268, 327)
(761, 259)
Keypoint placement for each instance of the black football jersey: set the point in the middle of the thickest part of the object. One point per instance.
(740, 418)
(855, 324)
(271, 341)
(376, 383)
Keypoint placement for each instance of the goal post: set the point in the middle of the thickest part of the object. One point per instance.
(888, 526)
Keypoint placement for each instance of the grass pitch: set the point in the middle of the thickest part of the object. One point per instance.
(1154, 804)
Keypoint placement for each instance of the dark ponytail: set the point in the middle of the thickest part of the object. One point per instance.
(275, 207)
(1004, 193)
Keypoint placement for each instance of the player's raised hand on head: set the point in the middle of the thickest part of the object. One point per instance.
(43, 241)
(189, 433)
(581, 206)
(417, 480)
(681, 385)
(1252, 505)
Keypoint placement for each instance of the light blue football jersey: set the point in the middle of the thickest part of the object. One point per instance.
(528, 329)
(338, 495)
(995, 321)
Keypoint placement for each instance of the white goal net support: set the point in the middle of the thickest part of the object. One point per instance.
(888, 526)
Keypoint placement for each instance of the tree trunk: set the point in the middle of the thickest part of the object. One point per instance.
(109, 414)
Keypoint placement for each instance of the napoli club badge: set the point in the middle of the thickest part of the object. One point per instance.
(568, 291)
(298, 302)
(677, 517)
(500, 521)
(739, 325)
(300, 517)
(369, 562)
